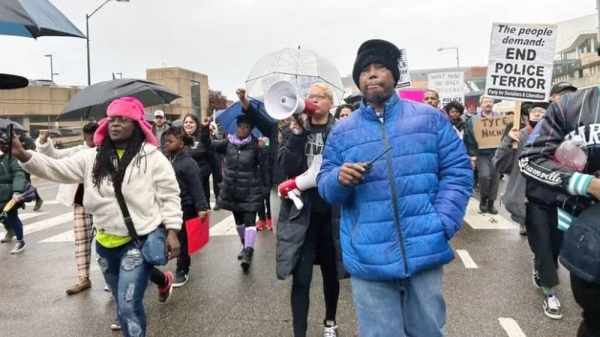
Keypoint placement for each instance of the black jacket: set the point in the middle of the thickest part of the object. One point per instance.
(293, 223)
(190, 184)
(203, 154)
(270, 130)
(573, 114)
(243, 183)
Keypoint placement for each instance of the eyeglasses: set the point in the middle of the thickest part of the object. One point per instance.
(318, 97)
(119, 120)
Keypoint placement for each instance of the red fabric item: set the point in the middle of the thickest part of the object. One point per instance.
(198, 234)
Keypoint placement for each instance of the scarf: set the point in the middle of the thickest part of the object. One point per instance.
(233, 139)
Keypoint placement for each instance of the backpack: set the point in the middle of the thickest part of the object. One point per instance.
(581, 246)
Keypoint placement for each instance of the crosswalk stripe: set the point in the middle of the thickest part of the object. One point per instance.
(45, 224)
(224, 227)
(477, 220)
(46, 202)
(27, 216)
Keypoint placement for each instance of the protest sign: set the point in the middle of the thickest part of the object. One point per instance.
(450, 86)
(488, 131)
(521, 59)
(404, 80)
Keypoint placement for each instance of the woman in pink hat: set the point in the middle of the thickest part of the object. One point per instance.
(126, 156)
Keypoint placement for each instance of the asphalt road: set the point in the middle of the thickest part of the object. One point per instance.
(488, 287)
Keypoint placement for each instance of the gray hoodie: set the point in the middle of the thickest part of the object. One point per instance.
(506, 161)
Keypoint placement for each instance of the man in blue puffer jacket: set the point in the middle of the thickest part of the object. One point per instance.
(397, 218)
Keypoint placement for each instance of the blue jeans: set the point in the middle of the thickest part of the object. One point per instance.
(412, 307)
(13, 221)
(127, 275)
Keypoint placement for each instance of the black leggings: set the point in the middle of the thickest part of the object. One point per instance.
(245, 218)
(261, 214)
(206, 187)
(158, 277)
(587, 296)
(317, 243)
(184, 261)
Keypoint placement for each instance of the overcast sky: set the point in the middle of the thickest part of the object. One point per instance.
(223, 39)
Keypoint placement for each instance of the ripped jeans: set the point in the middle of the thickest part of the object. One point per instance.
(127, 275)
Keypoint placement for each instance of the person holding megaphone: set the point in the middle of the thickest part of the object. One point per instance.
(309, 235)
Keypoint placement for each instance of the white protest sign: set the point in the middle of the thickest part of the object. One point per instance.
(450, 86)
(521, 59)
(404, 80)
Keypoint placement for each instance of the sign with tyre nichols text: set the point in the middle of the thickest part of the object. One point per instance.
(404, 80)
(450, 86)
(521, 59)
(488, 132)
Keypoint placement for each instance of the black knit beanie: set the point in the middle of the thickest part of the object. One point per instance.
(377, 51)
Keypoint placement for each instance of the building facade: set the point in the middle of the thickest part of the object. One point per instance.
(576, 59)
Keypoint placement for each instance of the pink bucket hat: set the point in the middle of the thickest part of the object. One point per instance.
(125, 107)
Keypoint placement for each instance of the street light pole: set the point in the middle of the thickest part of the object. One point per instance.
(457, 54)
(52, 73)
(87, 35)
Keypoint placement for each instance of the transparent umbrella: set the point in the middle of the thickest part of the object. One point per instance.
(302, 67)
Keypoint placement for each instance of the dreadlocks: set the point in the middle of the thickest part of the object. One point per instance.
(104, 165)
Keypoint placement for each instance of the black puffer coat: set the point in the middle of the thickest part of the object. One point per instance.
(242, 189)
(293, 224)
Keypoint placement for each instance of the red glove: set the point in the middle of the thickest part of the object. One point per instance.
(287, 186)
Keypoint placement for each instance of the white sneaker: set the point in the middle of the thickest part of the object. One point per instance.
(552, 307)
(19, 246)
(330, 329)
(115, 326)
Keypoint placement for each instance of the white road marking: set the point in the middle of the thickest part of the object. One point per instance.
(68, 236)
(47, 223)
(477, 220)
(511, 327)
(224, 227)
(26, 216)
(466, 259)
(46, 202)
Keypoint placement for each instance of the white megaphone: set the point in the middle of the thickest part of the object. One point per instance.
(292, 188)
(283, 100)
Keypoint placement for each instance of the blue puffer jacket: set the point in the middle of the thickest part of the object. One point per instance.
(398, 221)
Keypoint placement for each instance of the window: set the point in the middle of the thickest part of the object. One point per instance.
(195, 95)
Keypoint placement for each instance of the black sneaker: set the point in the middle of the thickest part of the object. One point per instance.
(181, 279)
(19, 246)
(329, 329)
(536, 276)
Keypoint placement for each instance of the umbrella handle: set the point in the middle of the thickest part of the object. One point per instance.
(9, 205)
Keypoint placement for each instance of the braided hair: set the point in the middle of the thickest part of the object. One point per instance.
(180, 134)
(106, 157)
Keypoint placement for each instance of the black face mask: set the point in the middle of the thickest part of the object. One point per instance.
(533, 124)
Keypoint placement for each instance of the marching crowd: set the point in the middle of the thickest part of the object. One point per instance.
(386, 225)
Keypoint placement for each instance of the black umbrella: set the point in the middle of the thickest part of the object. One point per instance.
(34, 18)
(4, 122)
(93, 100)
(8, 81)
